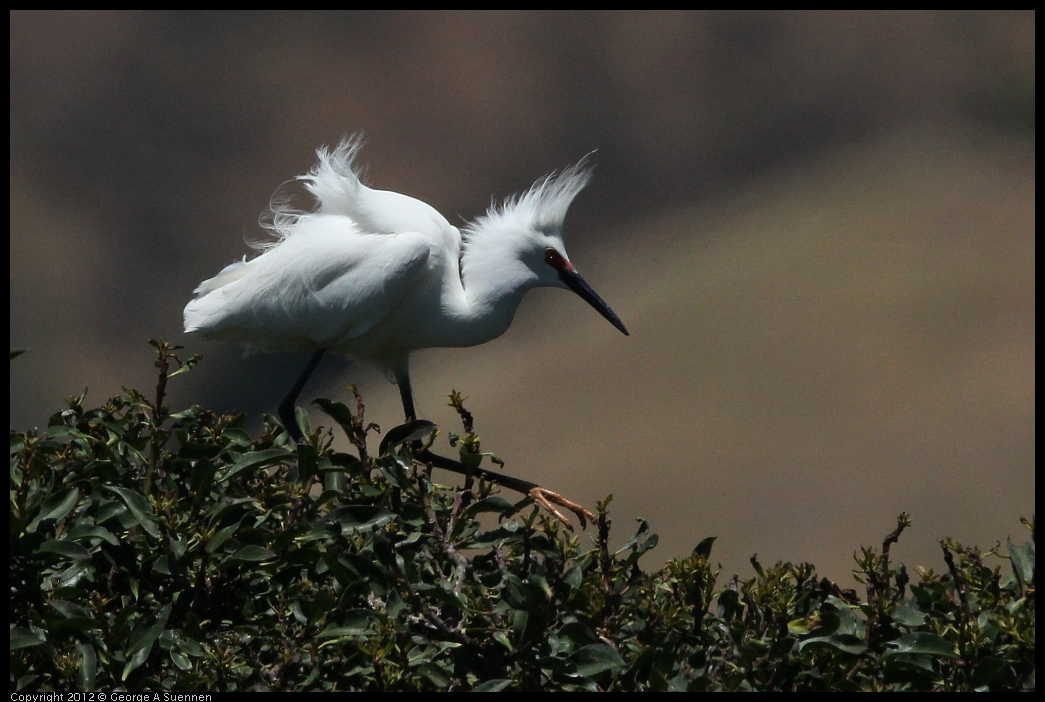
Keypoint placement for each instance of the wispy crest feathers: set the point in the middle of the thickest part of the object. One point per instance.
(544, 205)
(335, 184)
(333, 181)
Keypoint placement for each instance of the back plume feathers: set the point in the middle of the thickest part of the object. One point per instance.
(334, 181)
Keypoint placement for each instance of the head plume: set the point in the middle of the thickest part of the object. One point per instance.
(544, 205)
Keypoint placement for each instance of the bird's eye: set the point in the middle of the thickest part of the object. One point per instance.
(552, 257)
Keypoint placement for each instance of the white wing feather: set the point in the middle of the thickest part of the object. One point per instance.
(327, 282)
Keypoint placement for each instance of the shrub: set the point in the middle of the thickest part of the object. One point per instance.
(156, 551)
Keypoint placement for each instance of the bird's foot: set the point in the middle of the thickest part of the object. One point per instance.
(534, 493)
(545, 498)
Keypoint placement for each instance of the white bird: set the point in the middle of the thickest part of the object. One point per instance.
(376, 275)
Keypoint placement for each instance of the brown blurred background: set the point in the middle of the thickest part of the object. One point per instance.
(818, 227)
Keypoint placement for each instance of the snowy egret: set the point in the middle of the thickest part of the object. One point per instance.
(375, 275)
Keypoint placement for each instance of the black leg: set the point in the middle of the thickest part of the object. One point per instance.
(408, 398)
(286, 408)
(534, 492)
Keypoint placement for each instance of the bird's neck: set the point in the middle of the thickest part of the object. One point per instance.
(494, 279)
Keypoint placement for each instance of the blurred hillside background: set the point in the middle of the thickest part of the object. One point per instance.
(818, 227)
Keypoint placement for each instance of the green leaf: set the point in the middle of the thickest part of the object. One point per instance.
(15, 353)
(334, 480)
(643, 529)
(437, 594)
(800, 626)
(350, 567)
(522, 626)
(393, 470)
(908, 614)
(320, 606)
(494, 504)
(1022, 563)
(356, 519)
(139, 657)
(338, 411)
(178, 546)
(70, 609)
(109, 509)
(193, 450)
(24, 638)
(435, 675)
(85, 674)
(679, 683)
(202, 479)
(222, 536)
(986, 669)
(308, 462)
(647, 545)
(596, 658)
(405, 433)
(829, 623)
(354, 622)
(255, 460)
(301, 419)
(227, 509)
(190, 647)
(181, 661)
(69, 549)
(56, 507)
(139, 507)
(704, 547)
(76, 572)
(493, 686)
(848, 622)
(847, 643)
(76, 624)
(574, 576)
(515, 595)
(252, 553)
(579, 633)
(140, 645)
(501, 638)
(921, 642)
(344, 461)
(905, 662)
(285, 538)
(85, 532)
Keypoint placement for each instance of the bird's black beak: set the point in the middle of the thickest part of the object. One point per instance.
(569, 275)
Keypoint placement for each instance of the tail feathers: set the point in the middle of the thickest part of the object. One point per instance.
(209, 303)
(231, 272)
(202, 313)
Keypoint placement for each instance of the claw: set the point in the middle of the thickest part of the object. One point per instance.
(545, 498)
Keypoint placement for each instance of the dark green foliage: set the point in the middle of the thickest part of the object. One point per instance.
(158, 551)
